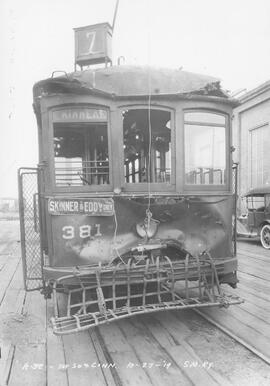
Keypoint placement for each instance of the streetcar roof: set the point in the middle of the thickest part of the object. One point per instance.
(126, 80)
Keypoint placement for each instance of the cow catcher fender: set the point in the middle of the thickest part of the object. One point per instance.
(149, 281)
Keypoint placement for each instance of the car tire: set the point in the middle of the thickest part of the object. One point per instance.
(265, 236)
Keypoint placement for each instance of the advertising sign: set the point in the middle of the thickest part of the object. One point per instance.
(88, 207)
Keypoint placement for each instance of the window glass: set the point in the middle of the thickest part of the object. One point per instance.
(267, 202)
(205, 118)
(81, 154)
(205, 151)
(256, 203)
(147, 146)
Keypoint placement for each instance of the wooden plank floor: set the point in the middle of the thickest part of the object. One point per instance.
(169, 348)
(250, 320)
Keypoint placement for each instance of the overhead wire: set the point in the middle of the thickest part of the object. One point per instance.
(115, 236)
(114, 212)
(148, 212)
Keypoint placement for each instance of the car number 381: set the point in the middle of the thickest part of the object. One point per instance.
(70, 232)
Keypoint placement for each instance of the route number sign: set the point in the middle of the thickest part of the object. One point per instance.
(93, 44)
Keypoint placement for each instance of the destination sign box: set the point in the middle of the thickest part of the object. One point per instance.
(80, 115)
(93, 44)
(89, 207)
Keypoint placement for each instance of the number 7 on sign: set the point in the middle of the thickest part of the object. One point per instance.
(91, 37)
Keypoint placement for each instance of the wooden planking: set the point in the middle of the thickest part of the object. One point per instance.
(6, 276)
(253, 304)
(77, 354)
(166, 332)
(5, 245)
(153, 324)
(7, 356)
(14, 295)
(248, 277)
(247, 289)
(17, 280)
(239, 328)
(9, 269)
(256, 264)
(250, 295)
(9, 235)
(261, 285)
(4, 258)
(25, 368)
(244, 255)
(252, 248)
(261, 269)
(29, 364)
(120, 352)
(257, 273)
(82, 360)
(161, 367)
(175, 327)
(258, 312)
(110, 374)
(11, 307)
(56, 374)
(250, 320)
(182, 352)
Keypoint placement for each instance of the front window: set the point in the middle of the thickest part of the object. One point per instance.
(80, 148)
(205, 148)
(256, 203)
(147, 146)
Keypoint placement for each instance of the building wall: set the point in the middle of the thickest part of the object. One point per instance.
(8, 204)
(251, 138)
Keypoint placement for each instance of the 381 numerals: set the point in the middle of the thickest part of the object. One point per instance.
(69, 232)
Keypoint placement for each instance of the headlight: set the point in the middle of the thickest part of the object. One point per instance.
(147, 228)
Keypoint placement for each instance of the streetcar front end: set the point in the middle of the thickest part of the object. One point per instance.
(136, 194)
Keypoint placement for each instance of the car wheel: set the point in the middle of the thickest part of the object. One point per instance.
(265, 236)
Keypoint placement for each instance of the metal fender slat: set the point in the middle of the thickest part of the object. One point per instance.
(76, 323)
(108, 293)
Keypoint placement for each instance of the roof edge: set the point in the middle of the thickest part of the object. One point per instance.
(255, 92)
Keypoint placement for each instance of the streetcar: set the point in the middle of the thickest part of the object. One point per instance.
(132, 206)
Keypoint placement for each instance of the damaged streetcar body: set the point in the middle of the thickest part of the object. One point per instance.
(136, 195)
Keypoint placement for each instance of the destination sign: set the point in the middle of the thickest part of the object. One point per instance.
(89, 207)
(80, 115)
(93, 44)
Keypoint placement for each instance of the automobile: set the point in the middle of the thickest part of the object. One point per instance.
(256, 221)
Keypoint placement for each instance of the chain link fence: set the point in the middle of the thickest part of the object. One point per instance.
(30, 228)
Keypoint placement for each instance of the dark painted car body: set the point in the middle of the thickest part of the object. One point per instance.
(139, 212)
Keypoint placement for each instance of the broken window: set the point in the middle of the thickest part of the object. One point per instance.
(147, 145)
(205, 149)
(81, 154)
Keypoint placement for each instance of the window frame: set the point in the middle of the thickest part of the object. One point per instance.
(80, 188)
(227, 126)
(155, 186)
(250, 200)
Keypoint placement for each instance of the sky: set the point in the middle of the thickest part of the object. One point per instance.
(228, 39)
